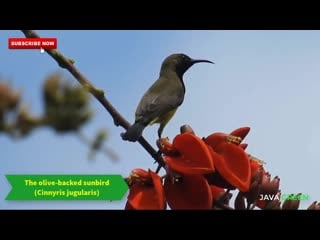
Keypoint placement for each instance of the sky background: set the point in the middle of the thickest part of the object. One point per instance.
(267, 80)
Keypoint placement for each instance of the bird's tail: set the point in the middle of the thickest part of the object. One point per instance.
(134, 132)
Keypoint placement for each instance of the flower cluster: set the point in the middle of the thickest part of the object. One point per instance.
(201, 172)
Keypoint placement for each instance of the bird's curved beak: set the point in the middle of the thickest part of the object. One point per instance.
(193, 61)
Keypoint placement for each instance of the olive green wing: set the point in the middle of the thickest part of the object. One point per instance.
(155, 104)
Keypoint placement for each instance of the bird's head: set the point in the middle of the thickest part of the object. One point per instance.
(180, 63)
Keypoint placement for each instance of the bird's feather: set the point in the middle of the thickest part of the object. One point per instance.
(160, 99)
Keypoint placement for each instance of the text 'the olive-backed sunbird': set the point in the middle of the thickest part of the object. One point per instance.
(161, 100)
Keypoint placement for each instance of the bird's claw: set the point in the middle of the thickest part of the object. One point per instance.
(123, 136)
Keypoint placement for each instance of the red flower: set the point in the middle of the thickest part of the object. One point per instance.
(269, 186)
(254, 165)
(233, 165)
(216, 191)
(243, 146)
(240, 132)
(140, 175)
(189, 192)
(194, 156)
(146, 192)
(263, 191)
(166, 147)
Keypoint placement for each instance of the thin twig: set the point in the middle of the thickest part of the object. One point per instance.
(158, 168)
(97, 93)
(106, 150)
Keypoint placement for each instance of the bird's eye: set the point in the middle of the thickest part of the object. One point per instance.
(184, 57)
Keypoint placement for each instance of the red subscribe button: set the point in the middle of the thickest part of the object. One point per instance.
(32, 43)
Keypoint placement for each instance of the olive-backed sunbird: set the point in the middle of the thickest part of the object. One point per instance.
(161, 100)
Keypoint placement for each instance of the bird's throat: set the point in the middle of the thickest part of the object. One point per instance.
(171, 74)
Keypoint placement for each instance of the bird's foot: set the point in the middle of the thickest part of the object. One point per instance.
(124, 136)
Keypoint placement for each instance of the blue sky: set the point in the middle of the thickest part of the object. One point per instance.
(268, 80)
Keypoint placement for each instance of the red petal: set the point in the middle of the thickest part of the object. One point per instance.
(141, 174)
(144, 196)
(166, 147)
(254, 166)
(194, 158)
(216, 191)
(157, 183)
(241, 132)
(243, 146)
(216, 139)
(234, 165)
(191, 192)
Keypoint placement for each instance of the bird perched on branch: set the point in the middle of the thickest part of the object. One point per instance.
(161, 100)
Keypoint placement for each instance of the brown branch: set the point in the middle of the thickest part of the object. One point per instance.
(97, 93)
